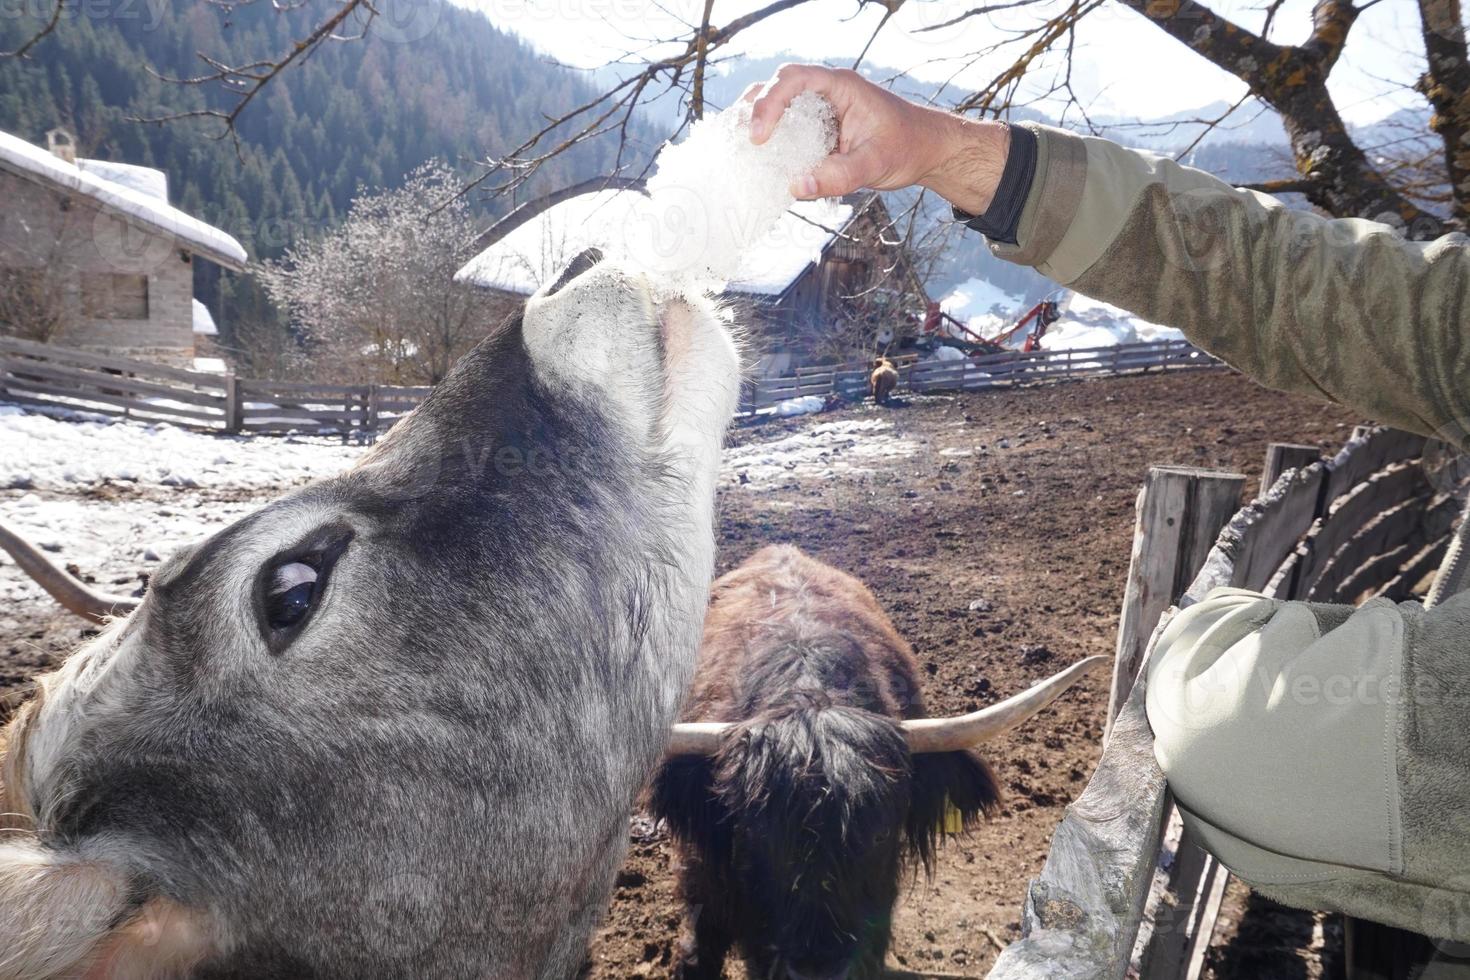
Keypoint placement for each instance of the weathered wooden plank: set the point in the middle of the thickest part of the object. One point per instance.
(1283, 456)
(293, 412)
(1081, 914)
(83, 358)
(1214, 897)
(1286, 513)
(1349, 513)
(1368, 453)
(132, 406)
(1402, 586)
(1376, 556)
(1179, 513)
(1182, 920)
(273, 389)
(89, 380)
(1382, 532)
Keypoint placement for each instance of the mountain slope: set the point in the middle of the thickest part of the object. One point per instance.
(443, 82)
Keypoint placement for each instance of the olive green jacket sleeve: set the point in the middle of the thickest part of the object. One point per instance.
(1341, 309)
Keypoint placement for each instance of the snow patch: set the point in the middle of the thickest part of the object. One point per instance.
(1088, 323)
(46, 453)
(829, 450)
(983, 307)
(805, 405)
(203, 320)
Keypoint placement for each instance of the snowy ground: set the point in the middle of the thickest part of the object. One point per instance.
(39, 452)
(116, 497)
(825, 451)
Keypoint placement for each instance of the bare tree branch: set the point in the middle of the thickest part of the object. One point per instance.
(250, 80)
(56, 10)
(701, 56)
(1293, 80)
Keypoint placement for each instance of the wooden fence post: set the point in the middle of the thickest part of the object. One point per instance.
(1180, 513)
(1283, 456)
(234, 408)
(374, 406)
(1082, 913)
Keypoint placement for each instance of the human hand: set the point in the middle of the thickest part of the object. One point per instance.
(885, 142)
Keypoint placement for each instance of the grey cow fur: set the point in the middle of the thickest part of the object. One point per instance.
(433, 778)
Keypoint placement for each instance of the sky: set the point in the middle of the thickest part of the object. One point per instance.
(1123, 65)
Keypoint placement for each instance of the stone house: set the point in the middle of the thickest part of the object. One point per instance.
(92, 255)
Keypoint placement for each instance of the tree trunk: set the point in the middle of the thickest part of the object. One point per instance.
(1446, 84)
(1293, 80)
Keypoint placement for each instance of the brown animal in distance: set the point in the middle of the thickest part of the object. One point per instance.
(883, 380)
(806, 777)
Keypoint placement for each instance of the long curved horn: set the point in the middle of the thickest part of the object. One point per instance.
(923, 734)
(697, 737)
(963, 731)
(74, 595)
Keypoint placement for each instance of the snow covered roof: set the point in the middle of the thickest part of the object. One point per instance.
(145, 207)
(144, 180)
(203, 321)
(536, 251)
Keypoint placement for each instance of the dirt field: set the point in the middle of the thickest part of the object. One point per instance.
(995, 529)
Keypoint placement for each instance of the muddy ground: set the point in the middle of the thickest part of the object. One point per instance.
(995, 529)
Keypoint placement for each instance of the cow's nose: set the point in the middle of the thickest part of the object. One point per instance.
(584, 261)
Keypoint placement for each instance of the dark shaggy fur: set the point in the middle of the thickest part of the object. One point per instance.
(794, 836)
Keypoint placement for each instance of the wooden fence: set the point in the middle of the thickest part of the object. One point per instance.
(1124, 891)
(44, 374)
(979, 373)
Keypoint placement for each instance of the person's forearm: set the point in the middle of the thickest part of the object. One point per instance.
(1345, 309)
(970, 157)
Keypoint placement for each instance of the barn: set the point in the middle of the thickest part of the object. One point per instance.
(828, 283)
(92, 255)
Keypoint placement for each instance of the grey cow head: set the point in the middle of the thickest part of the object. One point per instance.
(392, 724)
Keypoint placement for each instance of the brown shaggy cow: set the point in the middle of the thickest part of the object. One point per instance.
(793, 835)
(883, 379)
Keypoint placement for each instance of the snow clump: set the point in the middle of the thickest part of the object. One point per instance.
(716, 195)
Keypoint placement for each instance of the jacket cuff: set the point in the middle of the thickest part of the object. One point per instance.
(1056, 194)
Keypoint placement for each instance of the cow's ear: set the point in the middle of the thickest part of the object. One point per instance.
(67, 915)
(952, 791)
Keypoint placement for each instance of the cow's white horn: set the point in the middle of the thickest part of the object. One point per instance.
(698, 737)
(75, 596)
(923, 734)
(964, 731)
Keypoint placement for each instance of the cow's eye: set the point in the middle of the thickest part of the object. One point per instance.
(288, 597)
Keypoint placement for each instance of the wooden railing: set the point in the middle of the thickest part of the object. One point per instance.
(45, 374)
(979, 373)
(1125, 891)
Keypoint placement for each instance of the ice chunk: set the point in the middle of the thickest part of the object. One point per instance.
(716, 194)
